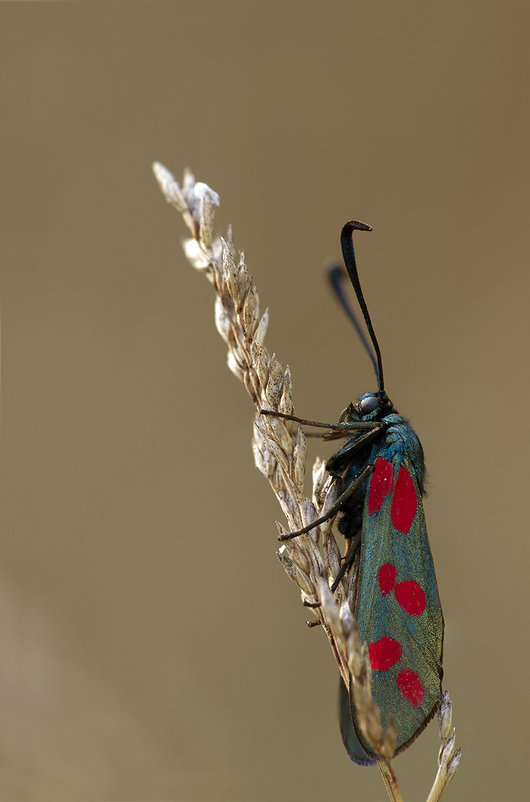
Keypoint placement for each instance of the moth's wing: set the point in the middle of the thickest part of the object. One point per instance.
(398, 607)
(358, 753)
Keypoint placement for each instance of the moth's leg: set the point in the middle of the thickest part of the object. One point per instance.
(347, 562)
(336, 506)
(375, 427)
(348, 559)
(344, 427)
(347, 451)
(313, 606)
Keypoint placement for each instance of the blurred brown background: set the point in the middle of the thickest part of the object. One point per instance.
(136, 662)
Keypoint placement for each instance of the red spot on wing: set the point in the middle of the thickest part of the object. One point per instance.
(384, 653)
(410, 686)
(404, 502)
(387, 577)
(410, 597)
(380, 484)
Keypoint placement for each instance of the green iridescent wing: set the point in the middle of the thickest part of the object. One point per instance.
(398, 608)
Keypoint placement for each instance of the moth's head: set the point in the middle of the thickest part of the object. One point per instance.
(373, 406)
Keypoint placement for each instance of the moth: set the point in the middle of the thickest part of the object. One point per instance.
(381, 473)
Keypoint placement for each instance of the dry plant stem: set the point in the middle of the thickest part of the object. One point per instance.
(312, 560)
(448, 757)
(390, 782)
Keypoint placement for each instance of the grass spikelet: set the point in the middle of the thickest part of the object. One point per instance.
(312, 560)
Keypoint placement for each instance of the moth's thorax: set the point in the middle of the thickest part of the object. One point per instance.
(401, 441)
(397, 440)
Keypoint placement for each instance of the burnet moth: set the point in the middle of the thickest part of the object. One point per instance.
(381, 471)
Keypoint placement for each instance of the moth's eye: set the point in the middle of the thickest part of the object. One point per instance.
(369, 404)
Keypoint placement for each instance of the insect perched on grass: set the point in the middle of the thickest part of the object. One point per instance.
(381, 471)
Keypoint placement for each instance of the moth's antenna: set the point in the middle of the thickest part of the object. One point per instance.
(348, 253)
(336, 275)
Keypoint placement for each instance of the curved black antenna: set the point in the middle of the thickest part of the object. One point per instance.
(348, 253)
(336, 275)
